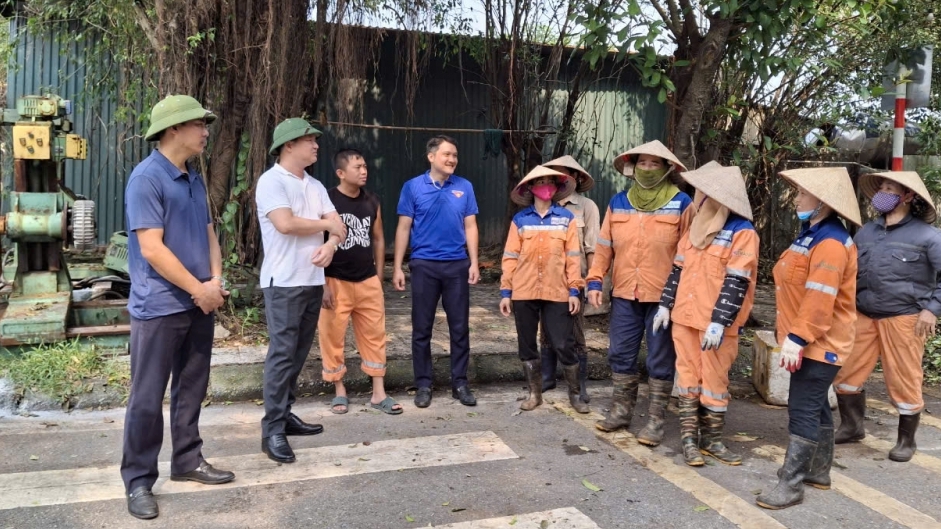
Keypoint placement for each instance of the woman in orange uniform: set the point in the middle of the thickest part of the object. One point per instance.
(638, 244)
(815, 284)
(542, 278)
(708, 297)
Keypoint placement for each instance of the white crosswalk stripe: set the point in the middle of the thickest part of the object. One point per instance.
(568, 518)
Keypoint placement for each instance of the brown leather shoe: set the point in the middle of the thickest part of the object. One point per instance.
(205, 474)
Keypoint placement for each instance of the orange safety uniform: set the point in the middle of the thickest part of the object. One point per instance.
(815, 284)
(541, 256)
(364, 302)
(732, 252)
(639, 247)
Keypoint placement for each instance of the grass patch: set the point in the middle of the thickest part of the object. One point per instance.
(64, 370)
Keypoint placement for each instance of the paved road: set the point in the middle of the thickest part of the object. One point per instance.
(452, 466)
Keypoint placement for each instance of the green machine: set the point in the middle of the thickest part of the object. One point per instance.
(51, 229)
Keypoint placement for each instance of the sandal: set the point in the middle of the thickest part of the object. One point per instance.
(387, 406)
(340, 400)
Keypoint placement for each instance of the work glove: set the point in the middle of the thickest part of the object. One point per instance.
(713, 337)
(662, 319)
(792, 354)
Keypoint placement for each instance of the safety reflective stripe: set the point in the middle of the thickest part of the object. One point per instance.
(573, 254)
(907, 409)
(624, 211)
(511, 254)
(799, 249)
(537, 227)
(688, 391)
(337, 370)
(848, 388)
(680, 258)
(717, 396)
(826, 289)
(721, 242)
(373, 365)
(738, 272)
(604, 242)
(849, 242)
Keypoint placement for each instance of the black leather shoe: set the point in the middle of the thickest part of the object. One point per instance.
(142, 504)
(277, 448)
(423, 397)
(295, 426)
(205, 474)
(464, 394)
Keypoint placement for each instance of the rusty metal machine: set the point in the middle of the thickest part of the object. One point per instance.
(47, 223)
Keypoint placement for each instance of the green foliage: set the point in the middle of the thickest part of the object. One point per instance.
(932, 360)
(65, 369)
(231, 222)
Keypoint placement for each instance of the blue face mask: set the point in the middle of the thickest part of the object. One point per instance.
(804, 216)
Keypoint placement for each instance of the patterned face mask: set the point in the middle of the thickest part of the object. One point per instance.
(885, 202)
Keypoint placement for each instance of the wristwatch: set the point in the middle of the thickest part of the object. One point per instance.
(222, 282)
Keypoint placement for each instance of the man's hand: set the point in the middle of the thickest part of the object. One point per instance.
(338, 228)
(661, 320)
(574, 304)
(594, 298)
(506, 307)
(473, 274)
(329, 301)
(792, 355)
(323, 256)
(398, 279)
(210, 296)
(712, 339)
(925, 326)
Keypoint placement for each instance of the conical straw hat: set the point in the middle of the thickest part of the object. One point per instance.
(725, 185)
(832, 186)
(624, 163)
(524, 197)
(569, 163)
(869, 185)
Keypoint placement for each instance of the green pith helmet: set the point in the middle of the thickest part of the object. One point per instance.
(291, 129)
(173, 110)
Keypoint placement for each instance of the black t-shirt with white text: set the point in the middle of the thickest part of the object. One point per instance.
(354, 261)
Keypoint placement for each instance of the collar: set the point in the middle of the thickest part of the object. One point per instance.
(170, 168)
(280, 168)
(554, 209)
(806, 229)
(574, 198)
(447, 181)
(880, 221)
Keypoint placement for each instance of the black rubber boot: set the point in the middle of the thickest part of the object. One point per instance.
(659, 396)
(534, 380)
(689, 430)
(711, 424)
(852, 415)
(571, 379)
(905, 447)
(622, 403)
(548, 368)
(583, 377)
(818, 475)
(790, 488)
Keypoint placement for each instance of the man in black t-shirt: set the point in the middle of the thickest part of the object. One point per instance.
(354, 287)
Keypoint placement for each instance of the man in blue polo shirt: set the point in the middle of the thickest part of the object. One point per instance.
(438, 210)
(176, 283)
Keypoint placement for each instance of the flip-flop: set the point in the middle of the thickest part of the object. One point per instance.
(340, 400)
(386, 406)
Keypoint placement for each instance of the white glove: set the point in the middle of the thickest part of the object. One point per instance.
(713, 337)
(792, 354)
(662, 319)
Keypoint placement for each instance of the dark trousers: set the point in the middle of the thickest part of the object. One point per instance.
(447, 281)
(578, 329)
(292, 314)
(557, 329)
(630, 320)
(179, 345)
(807, 406)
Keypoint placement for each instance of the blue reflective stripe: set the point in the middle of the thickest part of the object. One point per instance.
(594, 285)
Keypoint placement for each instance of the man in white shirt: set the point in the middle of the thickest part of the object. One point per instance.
(294, 211)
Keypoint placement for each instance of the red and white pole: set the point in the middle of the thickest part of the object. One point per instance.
(898, 134)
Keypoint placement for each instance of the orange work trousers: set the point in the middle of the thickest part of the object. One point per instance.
(894, 341)
(703, 374)
(363, 302)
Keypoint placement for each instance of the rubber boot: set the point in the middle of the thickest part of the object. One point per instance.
(659, 396)
(571, 379)
(623, 399)
(689, 430)
(583, 377)
(534, 377)
(548, 368)
(790, 488)
(852, 415)
(905, 447)
(711, 424)
(818, 475)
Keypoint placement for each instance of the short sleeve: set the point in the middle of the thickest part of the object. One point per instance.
(470, 207)
(270, 195)
(144, 204)
(406, 207)
(325, 202)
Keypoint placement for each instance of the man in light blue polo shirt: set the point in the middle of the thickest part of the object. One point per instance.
(438, 210)
(175, 266)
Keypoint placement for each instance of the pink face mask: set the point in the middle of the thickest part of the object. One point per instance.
(544, 191)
